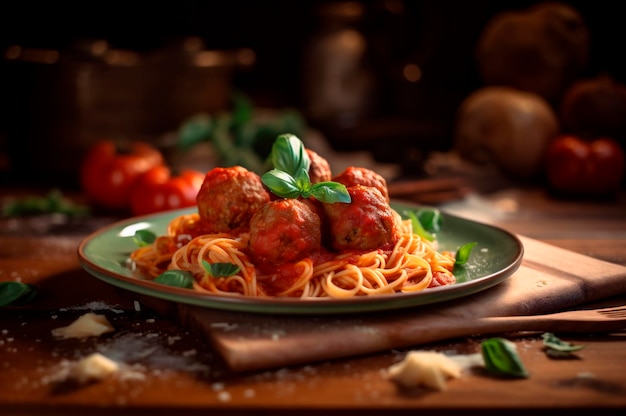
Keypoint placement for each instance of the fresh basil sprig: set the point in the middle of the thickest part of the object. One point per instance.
(176, 278)
(557, 348)
(290, 176)
(14, 293)
(289, 155)
(220, 269)
(501, 358)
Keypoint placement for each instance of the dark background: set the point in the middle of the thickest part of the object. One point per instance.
(441, 32)
(439, 35)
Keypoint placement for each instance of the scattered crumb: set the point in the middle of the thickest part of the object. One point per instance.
(94, 306)
(226, 326)
(468, 361)
(189, 353)
(217, 386)
(173, 340)
(223, 396)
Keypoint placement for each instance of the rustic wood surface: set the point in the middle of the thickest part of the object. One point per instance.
(172, 370)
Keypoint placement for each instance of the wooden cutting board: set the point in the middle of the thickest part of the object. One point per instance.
(549, 279)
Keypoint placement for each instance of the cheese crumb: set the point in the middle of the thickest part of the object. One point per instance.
(88, 325)
(93, 367)
(424, 368)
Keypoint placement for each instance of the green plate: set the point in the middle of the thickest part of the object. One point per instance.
(496, 256)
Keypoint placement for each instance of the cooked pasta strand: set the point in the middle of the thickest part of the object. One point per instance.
(409, 267)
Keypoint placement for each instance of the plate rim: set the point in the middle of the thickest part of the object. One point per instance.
(295, 306)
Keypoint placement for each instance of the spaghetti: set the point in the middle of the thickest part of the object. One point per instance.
(413, 264)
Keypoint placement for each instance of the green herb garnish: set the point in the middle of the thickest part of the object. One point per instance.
(557, 348)
(430, 218)
(144, 238)
(220, 269)
(237, 136)
(290, 178)
(289, 155)
(463, 254)
(53, 203)
(176, 278)
(418, 227)
(14, 293)
(501, 358)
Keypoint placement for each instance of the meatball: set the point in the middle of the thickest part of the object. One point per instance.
(228, 198)
(363, 176)
(366, 223)
(284, 231)
(319, 171)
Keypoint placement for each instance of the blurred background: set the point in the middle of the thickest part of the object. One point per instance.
(385, 76)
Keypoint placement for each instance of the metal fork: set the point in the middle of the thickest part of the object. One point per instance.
(584, 320)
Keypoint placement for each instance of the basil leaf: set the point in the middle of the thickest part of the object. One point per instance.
(13, 293)
(557, 348)
(462, 255)
(220, 269)
(418, 228)
(144, 238)
(176, 278)
(501, 358)
(552, 341)
(430, 218)
(303, 180)
(242, 111)
(281, 183)
(288, 154)
(330, 192)
(290, 176)
(195, 130)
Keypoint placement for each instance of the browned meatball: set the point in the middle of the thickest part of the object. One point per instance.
(363, 176)
(228, 198)
(319, 171)
(366, 223)
(284, 231)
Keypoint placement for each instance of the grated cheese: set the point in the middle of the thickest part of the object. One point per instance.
(93, 367)
(424, 369)
(87, 325)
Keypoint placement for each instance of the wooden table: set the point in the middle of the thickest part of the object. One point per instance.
(174, 372)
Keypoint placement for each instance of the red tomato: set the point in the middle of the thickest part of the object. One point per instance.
(582, 167)
(109, 171)
(157, 190)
